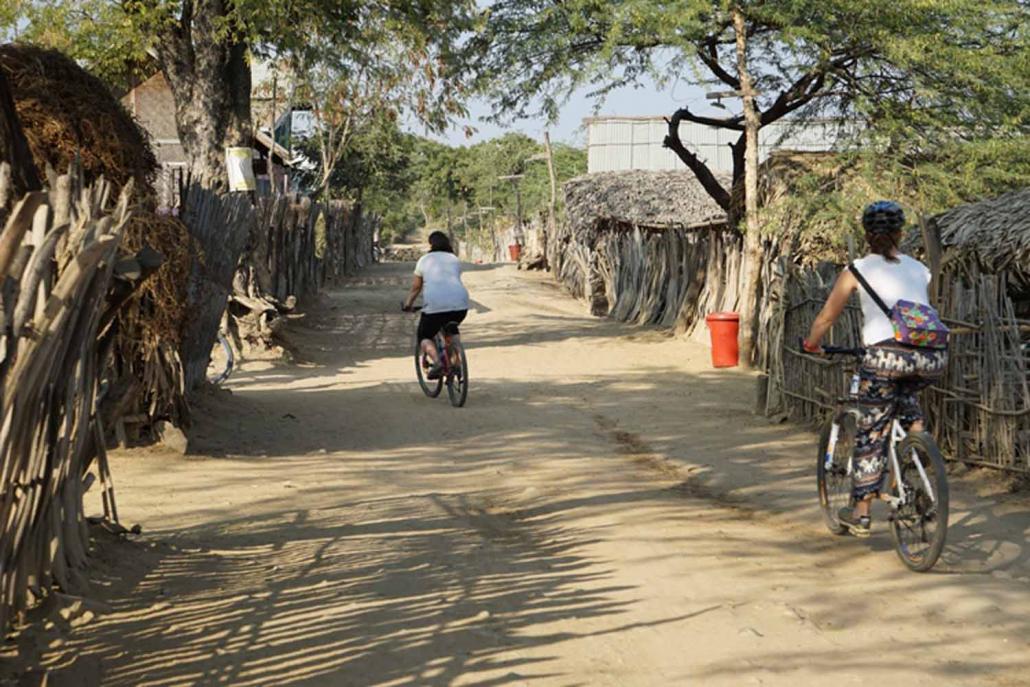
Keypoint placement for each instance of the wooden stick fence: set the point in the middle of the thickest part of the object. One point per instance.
(221, 226)
(57, 253)
(667, 277)
(295, 247)
(981, 410)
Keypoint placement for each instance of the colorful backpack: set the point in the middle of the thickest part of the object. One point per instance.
(915, 324)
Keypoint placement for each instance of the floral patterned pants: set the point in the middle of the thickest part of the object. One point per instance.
(890, 378)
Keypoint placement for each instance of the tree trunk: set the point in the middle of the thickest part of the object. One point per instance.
(14, 149)
(752, 237)
(207, 70)
(738, 204)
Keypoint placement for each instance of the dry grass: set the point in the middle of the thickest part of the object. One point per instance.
(158, 309)
(68, 114)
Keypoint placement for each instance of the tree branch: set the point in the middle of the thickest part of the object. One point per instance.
(735, 123)
(708, 53)
(699, 168)
(805, 89)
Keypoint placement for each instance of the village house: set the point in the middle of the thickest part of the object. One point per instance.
(274, 164)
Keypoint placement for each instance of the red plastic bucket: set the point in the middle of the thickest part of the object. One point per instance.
(515, 250)
(724, 328)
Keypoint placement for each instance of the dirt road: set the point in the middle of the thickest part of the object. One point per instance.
(606, 511)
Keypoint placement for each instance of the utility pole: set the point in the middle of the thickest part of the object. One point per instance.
(752, 239)
(552, 209)
(515, 179)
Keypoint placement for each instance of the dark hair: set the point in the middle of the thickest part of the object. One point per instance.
(884, 244)
(438, 241)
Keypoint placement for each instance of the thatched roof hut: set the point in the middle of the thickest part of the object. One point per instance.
(644, 199)
(994, 232)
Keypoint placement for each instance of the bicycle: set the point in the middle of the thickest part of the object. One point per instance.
(917, 478)
(455, 376)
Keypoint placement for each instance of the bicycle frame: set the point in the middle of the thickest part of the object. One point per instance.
(896, 436)
(443, 350)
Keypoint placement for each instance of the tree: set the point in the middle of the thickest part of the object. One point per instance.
(349, 90)
(414, 182)
(204, 49)
(915, 72)
(936, 66)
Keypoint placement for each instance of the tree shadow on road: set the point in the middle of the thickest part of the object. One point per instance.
(399, 591)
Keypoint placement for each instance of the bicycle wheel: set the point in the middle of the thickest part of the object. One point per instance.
(920, 526)
(458, 379)
(833, 480)
(430, 387)
(230, 361)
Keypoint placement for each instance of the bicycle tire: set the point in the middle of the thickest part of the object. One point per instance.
(834, 485)
(458, 380)
(913, 518)
(430, 387)
(230, 361)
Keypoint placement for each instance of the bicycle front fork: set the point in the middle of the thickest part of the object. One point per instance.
(443, 344)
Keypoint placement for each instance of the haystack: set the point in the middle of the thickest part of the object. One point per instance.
(68, 114)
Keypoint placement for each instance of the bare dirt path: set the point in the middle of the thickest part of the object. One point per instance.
(606, 511)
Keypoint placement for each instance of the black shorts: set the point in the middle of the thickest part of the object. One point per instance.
(431, 323)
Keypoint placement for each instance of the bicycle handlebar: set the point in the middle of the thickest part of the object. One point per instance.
(857, 352)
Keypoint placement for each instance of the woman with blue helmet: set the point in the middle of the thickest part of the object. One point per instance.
(892, 373)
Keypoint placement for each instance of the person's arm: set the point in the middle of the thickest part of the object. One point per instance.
(416, 289)
(834, 306)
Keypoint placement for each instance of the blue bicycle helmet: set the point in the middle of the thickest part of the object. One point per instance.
(883, 217)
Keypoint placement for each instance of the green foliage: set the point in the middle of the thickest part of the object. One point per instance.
(467, 180)
(929, 60)
(114, 37)
(95, 33)
(10, 14)
(415, 182)
(823, 201)
(350, 61)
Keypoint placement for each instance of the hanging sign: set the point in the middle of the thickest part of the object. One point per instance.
(240, 164)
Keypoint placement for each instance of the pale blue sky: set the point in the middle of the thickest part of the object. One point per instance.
(629, 101)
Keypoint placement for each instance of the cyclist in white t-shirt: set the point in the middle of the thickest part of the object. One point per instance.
(445, 299)
(892, 373)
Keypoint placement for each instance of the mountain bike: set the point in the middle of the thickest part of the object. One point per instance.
(454, 362)
(917, 487)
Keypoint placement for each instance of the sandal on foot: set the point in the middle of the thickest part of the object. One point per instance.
(857, 526)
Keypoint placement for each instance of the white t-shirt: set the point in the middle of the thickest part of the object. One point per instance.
(442, 290)
(906, 280)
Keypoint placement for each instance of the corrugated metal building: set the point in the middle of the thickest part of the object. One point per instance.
(622, 143)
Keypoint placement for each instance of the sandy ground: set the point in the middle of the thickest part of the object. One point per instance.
(605, 511)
